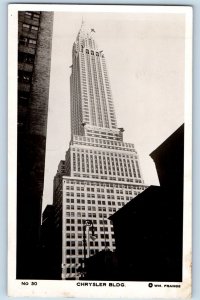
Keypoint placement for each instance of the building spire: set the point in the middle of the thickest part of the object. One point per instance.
(82, 22)
(82, 30)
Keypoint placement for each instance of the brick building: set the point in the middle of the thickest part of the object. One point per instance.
(34, 58)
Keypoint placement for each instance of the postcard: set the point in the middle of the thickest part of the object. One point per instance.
(100, 151)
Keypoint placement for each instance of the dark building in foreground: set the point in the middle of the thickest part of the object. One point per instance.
(148, 230)
(101, 266)
(50, 251)
(169, 159)
(34, 57)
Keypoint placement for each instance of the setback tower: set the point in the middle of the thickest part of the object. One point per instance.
(100, 172)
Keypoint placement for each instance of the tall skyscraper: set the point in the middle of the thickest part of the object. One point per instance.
(100, 173)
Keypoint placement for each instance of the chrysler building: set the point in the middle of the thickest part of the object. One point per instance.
(101, 172)
(91, 99)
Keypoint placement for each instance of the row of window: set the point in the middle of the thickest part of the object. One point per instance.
(118, 138)
(102, 152)
(98, 196)
(107, 177)
(98, 190)
(30, 28)
(80, 228)
(92, 52)
(103, 145)
(90, 208)
(100, 131)
(100, 184)
(81, 251)
(101, 141)
(72, 235)
(32, 15)
(78, 201)
(92, 243)
(29, 42)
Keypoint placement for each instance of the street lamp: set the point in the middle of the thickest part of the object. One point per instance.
(87, 223)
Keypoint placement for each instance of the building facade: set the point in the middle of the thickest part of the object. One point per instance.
(101, 172)
(34, 60)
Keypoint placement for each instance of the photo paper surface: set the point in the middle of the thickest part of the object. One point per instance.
(100, 136)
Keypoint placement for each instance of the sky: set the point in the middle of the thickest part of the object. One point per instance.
(145, 61)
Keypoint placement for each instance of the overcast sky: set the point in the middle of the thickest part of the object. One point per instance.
(145, 60)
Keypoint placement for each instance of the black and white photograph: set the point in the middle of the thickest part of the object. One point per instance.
(100, 137)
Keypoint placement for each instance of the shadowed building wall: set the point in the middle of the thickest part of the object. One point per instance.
(50, 254)
(34, 58)
(149, 229)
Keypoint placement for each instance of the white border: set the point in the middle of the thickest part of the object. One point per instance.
(61, 288)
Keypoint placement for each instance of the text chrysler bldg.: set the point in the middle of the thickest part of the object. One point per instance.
(100, 173)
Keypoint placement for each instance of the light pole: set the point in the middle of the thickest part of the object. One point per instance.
(87, 223)
(82, 268)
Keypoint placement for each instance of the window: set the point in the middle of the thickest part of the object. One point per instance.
(34, 28)
(36, 16)
(23, 97)
(25, 57)
(27, 13)
(32, 43)
(24, 77)
(25, 26)
(23, 41)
